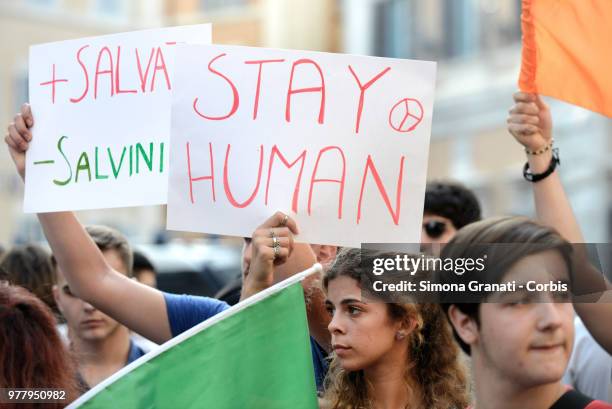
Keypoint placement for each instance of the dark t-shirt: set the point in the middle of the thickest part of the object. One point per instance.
(187, 311)
(573, 399)
(134, 353)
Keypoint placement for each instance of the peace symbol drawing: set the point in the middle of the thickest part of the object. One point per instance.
(406, 115)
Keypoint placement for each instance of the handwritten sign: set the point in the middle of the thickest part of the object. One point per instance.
(101, 107)
(339, 142)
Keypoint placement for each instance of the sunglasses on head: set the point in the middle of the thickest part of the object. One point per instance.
(434, 228)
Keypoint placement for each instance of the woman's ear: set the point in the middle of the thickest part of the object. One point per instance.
(465, 326)
(406, 327)
(55, 289)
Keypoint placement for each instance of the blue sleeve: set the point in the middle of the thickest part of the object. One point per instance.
(187, 311)
(319, 362)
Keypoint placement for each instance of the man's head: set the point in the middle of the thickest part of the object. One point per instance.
(84, 321)
(143, 270)
(29, 266)
(448, 207)
(522, 336)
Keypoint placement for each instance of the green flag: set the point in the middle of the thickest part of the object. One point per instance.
(254, 355)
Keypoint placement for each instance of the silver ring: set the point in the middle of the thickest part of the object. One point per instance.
(275, 242)
(272, 234)
(276, 249)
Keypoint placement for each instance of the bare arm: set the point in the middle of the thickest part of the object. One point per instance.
(137, 306)
(530, 123)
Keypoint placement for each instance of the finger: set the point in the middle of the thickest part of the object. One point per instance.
(268, 242)
(523, 119)
(523, 130)
(265, 252)
(528, 108)
(282, 241)
(278, 231)
(291, 243)
(292, 225)
(26, 112)
(10, 143)
(268, 232)
(22, 128)
(22, 144)
(277, 220)
(283, 255)
(523, 97)
(541, 104)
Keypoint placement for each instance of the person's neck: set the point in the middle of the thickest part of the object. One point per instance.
(101, 358)
(387, 386)
(493, 391)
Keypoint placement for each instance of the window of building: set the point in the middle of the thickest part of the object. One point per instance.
(440, 29)
(215, 5)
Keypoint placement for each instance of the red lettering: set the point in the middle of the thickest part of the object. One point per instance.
(362, 89)
(234, 92)
(261, 63)
(118, 89)
(292, 91)
(160, 64)
(398, 195)
(210, 177)
(143, 79)
(78, 56)
(228, 193)
(108, 71)
(52, 83)
(296, 190)
(313, 180)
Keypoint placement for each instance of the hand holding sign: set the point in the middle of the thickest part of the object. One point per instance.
(19, 136)
(271, 245)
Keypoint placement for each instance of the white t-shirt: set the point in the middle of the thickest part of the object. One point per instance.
(590, 367)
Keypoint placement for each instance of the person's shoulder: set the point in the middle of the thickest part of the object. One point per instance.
(135, 352)
(574, 399)
(186, 311)
(598, 404)
(190, 302)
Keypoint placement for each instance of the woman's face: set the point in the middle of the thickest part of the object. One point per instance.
(363, 334)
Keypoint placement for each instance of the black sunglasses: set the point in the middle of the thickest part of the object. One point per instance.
(434, 228)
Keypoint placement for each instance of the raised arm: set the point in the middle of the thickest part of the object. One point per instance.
(139, 307)
(530, 122)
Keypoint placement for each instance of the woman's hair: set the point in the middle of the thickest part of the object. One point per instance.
(503, 241)
(30, 267)
(434, 364)
(33, 354)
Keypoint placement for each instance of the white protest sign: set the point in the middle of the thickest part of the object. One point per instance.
(339, 142)
(101, 109)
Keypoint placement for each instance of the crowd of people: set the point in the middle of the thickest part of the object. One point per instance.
(72, 318)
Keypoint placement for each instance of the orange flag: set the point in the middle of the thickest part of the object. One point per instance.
(567, 51)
